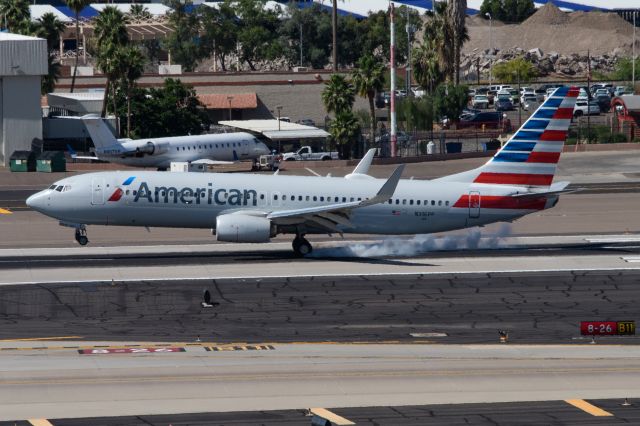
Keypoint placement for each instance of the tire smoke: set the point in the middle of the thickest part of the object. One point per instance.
(419, 244)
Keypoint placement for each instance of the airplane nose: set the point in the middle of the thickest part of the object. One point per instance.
(36, 201)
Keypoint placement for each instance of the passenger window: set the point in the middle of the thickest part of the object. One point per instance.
(275, 197)
(404, 202)
(127, 192)
(344, 199)
(293, 198)
(410, 202)
(178, 149)
(299, 197)
(446, 203)
(262, 196)
(418, 202)
(307, 197)
(336, 200)
(321, 198)
(440, 202)
(135, 192)
(315, 198)
(397, 201)
(433, 202)
(352, 199)
(390, 201)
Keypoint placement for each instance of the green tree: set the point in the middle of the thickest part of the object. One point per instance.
(183, 43)
(512, 11)
(110, 33)
(417, 113)
(344, 130)
(426, 67)
(258, 31)
(338, 94)
(131, 64)
(624, 69)
(49, 27)
(376, 35)
(518, 69)
(450, 100)
(315, 25)
(138, 12)
(219, 31)
(368, 79)
(76, 6)
(16, 15)
(171, 110)
(438, 33)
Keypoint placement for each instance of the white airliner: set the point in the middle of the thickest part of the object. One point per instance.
(222, 148)
(253, 208)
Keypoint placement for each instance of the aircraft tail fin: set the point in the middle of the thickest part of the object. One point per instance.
(530, 156)
(100, 133)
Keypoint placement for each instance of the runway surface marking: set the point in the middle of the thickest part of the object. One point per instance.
(40, 422)
(330, 416)
(29, 339)
(589, 408)
(240, 348)
(147, 346)
(5, 211)
(631, 259)
(130, 351)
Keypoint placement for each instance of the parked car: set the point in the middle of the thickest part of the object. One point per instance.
(504, 104)
(540, 94)
(490, 120)
(402, 138)
(599, 92)
(527, 99)
(604, 102)
(515, 96)
(480, 101)
(584, 107)
(306, 122)
(309, 153)
(622, 90)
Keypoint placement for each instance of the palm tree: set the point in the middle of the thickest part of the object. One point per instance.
(131, 64)
(16, 15)
(457, 15)
(439, 32)
(344, 129)
(49, 27)
(334, 22)
(139, 12)
(110, 34)
(426, 67)
(77, 6)
(338, 94)
(368, 79)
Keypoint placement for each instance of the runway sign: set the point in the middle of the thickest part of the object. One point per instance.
(129, 351)
(607, 328)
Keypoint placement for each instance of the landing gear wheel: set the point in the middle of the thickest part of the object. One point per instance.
(301, 247)
(81, 236)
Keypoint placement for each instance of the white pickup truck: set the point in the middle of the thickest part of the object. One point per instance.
(308, 153)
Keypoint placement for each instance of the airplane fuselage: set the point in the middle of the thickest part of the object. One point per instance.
(195, 200)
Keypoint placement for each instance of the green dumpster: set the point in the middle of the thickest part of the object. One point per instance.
(51, 162)
(22, 161)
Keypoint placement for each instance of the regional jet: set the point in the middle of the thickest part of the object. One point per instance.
(222, 148)
(252, 208)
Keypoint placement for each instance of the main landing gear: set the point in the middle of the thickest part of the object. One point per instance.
(81, 236)
(301, 246)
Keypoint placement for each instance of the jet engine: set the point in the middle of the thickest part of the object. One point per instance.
(151, 148)
(242, 228)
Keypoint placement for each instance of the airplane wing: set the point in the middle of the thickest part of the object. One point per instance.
(331, 215)
(211, 162)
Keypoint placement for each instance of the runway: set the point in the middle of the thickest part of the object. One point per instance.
(59, 384)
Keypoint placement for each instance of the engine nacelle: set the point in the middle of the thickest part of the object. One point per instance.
(242, 228)
(151, 148)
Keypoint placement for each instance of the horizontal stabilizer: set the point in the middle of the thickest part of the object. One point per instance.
(554, 189)
(211, 162)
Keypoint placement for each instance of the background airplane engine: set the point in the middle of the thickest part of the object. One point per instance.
(240, 228)
(151, 148)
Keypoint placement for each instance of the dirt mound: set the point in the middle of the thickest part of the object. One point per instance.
(600, 21)
(549, 14)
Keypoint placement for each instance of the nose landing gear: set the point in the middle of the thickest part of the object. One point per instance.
(81, 236)
(301, 246)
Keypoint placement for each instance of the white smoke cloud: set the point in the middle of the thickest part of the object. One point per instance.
(419, 244)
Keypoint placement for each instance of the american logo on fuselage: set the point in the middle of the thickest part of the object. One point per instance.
(187, 195)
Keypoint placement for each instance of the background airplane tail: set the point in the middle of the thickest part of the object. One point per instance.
(100, 133)
(530, 156)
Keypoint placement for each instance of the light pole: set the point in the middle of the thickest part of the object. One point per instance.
(409, 29)
(279, 108)
(633, 60)
(229, 98)
(488, 15)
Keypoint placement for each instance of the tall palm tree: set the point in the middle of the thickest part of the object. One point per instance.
(139, 12)
(110, 35)
(49, 27)
(15, 15)
(439, 31)
(338, 94)
(426, 67)
(131, 64)
(344, 129)
(76, 6)
(457, 15)
(368, 79)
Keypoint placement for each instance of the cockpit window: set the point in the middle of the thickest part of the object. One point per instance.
(66, 188)
(53, 186)
(59, 188)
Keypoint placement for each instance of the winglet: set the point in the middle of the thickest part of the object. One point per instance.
(363, 166)
(72, 152)
(387, 189)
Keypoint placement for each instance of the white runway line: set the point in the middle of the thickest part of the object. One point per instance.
(631, 259)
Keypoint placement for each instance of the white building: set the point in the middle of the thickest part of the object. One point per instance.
(23, 61)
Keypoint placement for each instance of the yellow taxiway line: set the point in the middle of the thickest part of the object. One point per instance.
(5, 211)
(589, 408)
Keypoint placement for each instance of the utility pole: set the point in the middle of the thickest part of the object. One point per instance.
(588, 96)
(301, 44)
(478, 70)
(408, 69)
(393, 134)
(334, 18)
(490, 47)
(633, 47)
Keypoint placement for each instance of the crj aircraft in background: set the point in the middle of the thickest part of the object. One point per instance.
(221, 148)
(253, 208)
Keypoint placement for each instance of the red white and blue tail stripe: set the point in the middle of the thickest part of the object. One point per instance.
(530, 157)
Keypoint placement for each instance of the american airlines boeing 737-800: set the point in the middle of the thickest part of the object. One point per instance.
(253, 208)
(221, 148)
